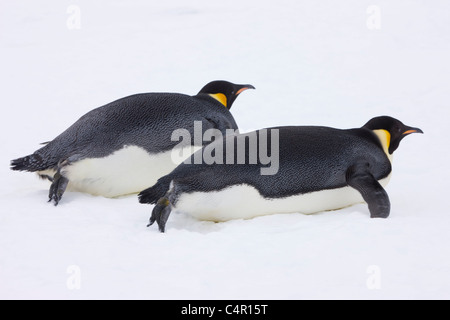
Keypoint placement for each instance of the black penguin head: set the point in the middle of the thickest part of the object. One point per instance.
(394, 130)
(225, 92)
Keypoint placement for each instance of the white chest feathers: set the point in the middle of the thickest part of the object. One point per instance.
(126, 171)
(245, 202)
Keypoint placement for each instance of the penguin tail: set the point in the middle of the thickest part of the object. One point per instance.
(31, 163)
(156, 192)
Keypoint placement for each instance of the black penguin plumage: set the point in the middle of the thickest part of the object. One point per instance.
(311, 159)
(144, 120)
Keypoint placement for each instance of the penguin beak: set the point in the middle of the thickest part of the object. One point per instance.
(243, 88)
(412, 130)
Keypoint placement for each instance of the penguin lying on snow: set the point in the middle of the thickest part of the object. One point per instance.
(125, 146)
(320, 169)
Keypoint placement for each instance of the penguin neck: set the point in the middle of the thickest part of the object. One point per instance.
(385, 139)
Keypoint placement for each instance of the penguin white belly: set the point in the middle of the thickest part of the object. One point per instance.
(245, 202)
(126, 171)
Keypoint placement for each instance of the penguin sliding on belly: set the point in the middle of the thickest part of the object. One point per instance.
(313, 169)
(125, 146)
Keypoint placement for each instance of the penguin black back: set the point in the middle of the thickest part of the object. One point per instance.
(132, 120)
(310, 158)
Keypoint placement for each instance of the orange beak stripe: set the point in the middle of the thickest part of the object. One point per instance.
(410, 131)
(241, 90)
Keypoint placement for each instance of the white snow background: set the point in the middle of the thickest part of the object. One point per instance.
(312, 62)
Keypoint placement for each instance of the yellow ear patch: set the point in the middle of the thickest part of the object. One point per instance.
(220, 97)
(385, 139)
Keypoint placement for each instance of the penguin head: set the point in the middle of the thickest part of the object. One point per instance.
(391, 129)
(225, 92)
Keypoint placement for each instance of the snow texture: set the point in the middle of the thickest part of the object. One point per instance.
(330, 63)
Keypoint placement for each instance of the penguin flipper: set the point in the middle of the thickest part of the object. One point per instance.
(360, 178)
(160, 214)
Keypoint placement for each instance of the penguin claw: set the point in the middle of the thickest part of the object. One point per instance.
(155, 215)
(151, 223)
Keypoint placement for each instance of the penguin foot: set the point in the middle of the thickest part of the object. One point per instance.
(160, 214)
(57, 188)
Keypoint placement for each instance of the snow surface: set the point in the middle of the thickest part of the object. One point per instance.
(312, 62)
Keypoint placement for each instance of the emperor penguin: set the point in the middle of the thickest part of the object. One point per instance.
(122, 147)
(319, 169)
